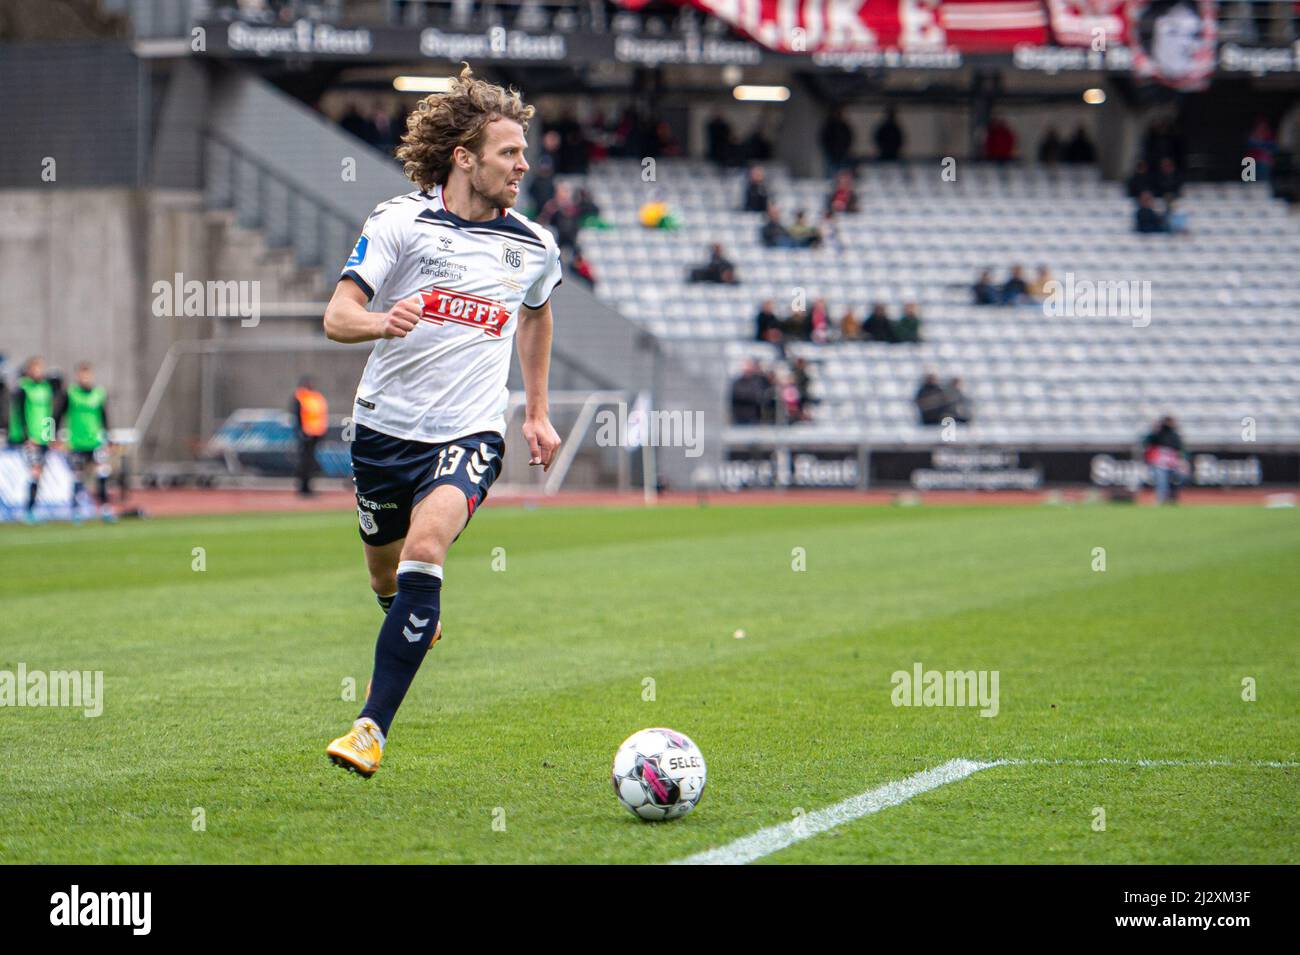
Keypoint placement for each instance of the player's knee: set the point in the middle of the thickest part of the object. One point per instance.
(384, 583)
(430, 551)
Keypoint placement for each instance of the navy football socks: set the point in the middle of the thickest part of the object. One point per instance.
(404, 638)
(386, 601)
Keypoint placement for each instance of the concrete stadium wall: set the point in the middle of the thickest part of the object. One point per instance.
(70, 264)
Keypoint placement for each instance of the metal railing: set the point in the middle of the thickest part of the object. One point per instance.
(289, 214)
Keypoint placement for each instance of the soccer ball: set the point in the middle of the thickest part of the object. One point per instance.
(658, 774)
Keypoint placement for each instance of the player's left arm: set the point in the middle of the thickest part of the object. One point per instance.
(533, 339)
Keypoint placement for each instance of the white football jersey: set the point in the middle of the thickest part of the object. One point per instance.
(447, 377)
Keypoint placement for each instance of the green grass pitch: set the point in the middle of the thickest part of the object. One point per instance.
(222, 686)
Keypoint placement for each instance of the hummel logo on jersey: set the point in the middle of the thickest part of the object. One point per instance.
(478, 462)
(444, 305)
(444, 242)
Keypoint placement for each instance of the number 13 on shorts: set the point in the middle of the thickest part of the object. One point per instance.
(449, 459)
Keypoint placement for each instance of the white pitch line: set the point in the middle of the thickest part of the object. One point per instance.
(1191, 763)
(775, 838)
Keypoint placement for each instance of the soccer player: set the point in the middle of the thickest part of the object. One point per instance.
(85, 407)
(32, 424)
(451, 276)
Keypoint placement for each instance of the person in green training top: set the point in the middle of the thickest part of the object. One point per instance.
(84, 407)
(31, 423)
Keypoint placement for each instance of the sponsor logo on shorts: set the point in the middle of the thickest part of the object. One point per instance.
(376, 505)
(444, 305)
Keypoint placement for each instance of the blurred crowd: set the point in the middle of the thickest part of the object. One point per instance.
(814, 323)
(779, 395)
(1015, 289)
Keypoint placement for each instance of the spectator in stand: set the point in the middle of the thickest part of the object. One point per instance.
(1141, 180)
(958, 406)
(850, 326)
(889, 137)
(623, 140)
(843, 197)
(791, 401)
(355, 123)
(665, 142)
(562, 216)
(1037, 290)
(1051, 148)
(908, 329)
(1162, 450)
(984, 291)
(766, 322)
(805, 234)
(589, 211)
(830, 231)
(719, 269)
(757, 147)
(1163, 141)
(541, 182)
(878, 327)
(572, 155)
(721, 143)
(1261, 146)
(599, 138)
(1148, 218)
(1015, 290)
(999, 141)
(837, 141)
(1168, 180)
(931, 400)
(386, 131)
(799, 372)
(772, 233)
(819, 322)
(581, 267)
(1080, 151)
(1175, 218)
(756, 198)
(751, 394)
(796, 326)
(655, 213)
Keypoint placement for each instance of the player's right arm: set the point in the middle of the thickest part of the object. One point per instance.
(347, 319)
(373, 258)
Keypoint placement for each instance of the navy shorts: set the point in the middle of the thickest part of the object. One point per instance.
(392, 475)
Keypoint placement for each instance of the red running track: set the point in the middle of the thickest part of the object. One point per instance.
(196, 501)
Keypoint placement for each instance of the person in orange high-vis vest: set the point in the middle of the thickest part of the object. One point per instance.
(311, 417)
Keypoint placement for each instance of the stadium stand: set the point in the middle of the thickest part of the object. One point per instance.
(1221, 344)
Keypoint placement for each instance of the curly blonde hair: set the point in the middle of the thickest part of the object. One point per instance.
(459, 117)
